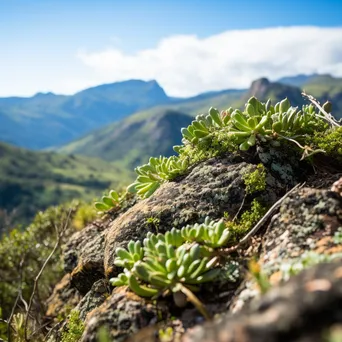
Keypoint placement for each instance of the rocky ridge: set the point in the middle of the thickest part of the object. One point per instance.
(303, 232)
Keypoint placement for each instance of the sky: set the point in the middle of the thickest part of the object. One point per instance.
(188, 46)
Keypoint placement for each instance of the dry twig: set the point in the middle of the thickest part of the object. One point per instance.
(261, 222)
(328, 117)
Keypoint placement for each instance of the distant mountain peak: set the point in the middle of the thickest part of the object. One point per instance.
(259, 87)
(41, 94)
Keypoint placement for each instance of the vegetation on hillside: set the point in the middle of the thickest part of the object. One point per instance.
(47, 120)
(133, 140)
(32, 181)
(178, 261)
(22, 255)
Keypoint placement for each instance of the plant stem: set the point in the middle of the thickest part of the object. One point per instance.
(194, 300)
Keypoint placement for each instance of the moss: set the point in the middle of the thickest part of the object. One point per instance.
(251, 217)
(256, 180)
(153, 222)
(248, 219)
(166, 335)
(329, 141)
(75, 328)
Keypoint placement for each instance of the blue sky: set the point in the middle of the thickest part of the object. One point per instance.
(64, 46)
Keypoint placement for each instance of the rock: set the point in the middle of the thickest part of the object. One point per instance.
(301, 310)
(64, 298)
(301, 233)
(83, 256)
(210, 189)
(122, 314)
(94, 298)
(307, 221)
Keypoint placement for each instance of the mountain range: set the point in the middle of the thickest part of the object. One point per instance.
(49, 120)
(149, 132)
(122, 124)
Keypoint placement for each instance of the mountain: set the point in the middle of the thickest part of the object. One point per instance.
(263, 89)
(31, 181)
(46, 120)
(324, 88)
(132, 140)
(296, 81)
(150, 132)
(50, 120)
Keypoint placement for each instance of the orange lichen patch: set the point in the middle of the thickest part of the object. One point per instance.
(326, 245)
(318, 285)
(337, 187)
(324, 241)
(334, 250)
(109, 272)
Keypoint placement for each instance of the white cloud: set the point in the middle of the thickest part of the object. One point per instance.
(187, 65)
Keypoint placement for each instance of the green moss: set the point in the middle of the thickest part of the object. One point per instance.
(153, 222)
(256, 180)
(165, 335)
(246, 222)
(329, 141)
(84, 215)
(251, 217)
(75, 328)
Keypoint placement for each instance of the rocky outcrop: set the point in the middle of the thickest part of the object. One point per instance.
(300, 234)
(302, 310)
(64, 298)
(122, 315)
(210, 189)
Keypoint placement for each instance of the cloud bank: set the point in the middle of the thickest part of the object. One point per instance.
(187, 65)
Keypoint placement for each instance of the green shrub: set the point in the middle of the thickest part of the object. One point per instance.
(23, 252)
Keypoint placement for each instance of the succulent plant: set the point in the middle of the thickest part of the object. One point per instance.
(108, 202)
(157, 171)
(258, 122)
(201, 127)
(210, 233)
(177, 261)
